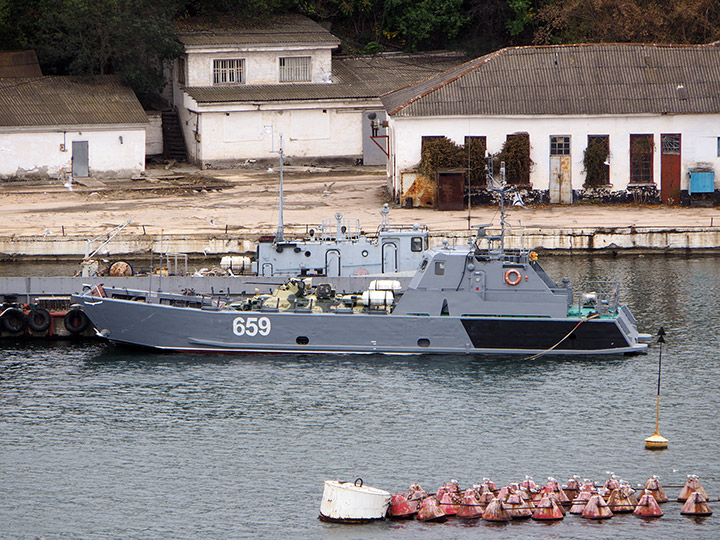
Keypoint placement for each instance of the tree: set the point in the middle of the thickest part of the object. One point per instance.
(242, 9)
(425, 23)
(359, 22)
(130, 38)
(624, 21)
(487, 29)
(17, 23)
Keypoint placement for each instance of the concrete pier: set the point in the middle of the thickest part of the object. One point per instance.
(217, 212)
(559, 239)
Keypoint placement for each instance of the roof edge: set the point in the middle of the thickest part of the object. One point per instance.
(477, 62)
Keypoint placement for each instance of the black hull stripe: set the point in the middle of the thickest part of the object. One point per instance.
(543, 334)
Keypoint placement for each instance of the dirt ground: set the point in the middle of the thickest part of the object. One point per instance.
(186, 201)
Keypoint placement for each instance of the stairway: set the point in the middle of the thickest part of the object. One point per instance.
(173, 140)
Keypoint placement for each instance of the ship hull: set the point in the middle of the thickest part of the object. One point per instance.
(190, 329)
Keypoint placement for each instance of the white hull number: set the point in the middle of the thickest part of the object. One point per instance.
(251, 326)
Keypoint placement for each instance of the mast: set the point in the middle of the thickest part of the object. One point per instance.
(280, 235)
(501, 188)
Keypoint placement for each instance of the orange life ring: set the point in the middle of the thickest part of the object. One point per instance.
(512, 281)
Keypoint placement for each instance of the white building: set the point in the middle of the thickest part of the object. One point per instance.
(62, 127)
(238, 88)
(655, 108)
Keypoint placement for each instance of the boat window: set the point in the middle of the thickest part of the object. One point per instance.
(423, 264)
(423, 342)
(445, 310)
(416, 243)
(302, 340)
(439, 268)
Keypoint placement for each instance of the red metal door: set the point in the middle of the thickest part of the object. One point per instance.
(451, 189)
(670, 169)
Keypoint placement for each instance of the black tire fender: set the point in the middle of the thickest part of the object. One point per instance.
(39, 319)
(76, 321)
(14, 320)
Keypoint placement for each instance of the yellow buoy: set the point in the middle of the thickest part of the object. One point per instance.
(657, 441)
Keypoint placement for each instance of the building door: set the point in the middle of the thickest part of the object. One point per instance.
(670, 169)
(389, 257)
(80, 167)
(560, 179)
(451, 190)
(374, 138)
(332, 263)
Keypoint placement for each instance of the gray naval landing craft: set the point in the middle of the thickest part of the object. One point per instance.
(478, 299)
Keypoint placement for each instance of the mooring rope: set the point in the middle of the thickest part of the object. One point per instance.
(584, 319)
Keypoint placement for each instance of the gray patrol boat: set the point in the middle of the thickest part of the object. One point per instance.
(340, 248)
(478, 298)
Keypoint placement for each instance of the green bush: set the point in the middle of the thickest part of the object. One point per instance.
(597, 173)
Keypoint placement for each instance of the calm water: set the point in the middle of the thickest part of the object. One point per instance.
(103, 442)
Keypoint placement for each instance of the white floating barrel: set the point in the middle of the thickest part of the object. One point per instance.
(385, 285)
(352, 502)
(236, 263)
(377, 298)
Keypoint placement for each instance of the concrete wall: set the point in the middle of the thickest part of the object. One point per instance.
(261, 65)
(114, 151)
(153, 134)
(562, 239)
(231, 134)
(699, 142)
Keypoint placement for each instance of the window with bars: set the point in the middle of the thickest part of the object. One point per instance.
(671, 144)
(641, 159)
(559, 146)
(230, 71)
(295, 69)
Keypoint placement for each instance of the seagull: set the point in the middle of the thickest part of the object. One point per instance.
(68, 185)
(327, 188)
(212, 222)
(47, 232)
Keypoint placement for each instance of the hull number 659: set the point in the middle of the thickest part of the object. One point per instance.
(251, 326)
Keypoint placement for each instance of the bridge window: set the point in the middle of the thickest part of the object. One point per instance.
(416, 243)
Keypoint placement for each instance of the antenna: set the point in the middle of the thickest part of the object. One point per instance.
(469, 174)
(280, 236)
(500, 187)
